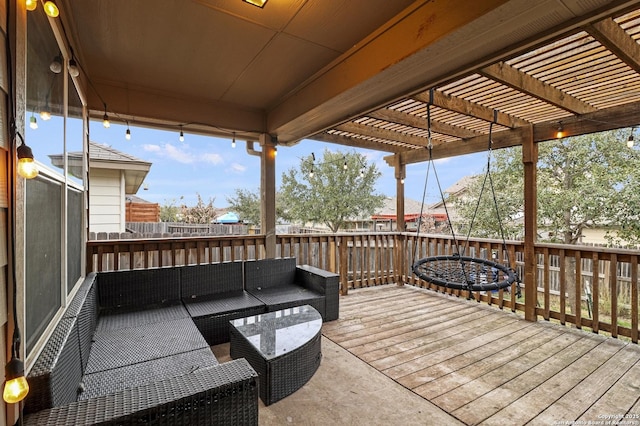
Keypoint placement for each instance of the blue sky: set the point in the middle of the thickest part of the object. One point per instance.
(211, 167)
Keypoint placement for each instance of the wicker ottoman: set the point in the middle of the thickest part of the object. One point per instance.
(282, 346)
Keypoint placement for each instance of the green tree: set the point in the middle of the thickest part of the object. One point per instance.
(247, 204)
(339, 187)
(169, 212)
(585, 181)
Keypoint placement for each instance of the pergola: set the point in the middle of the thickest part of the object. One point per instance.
(362, 73)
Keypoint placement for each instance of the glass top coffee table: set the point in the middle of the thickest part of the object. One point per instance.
(282, 346)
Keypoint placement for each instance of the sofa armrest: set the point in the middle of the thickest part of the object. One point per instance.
(323, 282)
(224, 394)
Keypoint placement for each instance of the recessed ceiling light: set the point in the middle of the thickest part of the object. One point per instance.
(259, 3)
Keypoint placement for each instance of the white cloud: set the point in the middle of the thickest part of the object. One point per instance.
(212, 158)
(178, 155)
(237, 168)
(152, 148)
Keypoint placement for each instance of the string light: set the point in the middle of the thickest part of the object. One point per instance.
(233, 141)
(630, 141)
(31, 5)
(181, 138)
(345, 167)
(311, 172)
(74, 71)
(33, 123)
(51, 8)
(402, 181)
(127, 134)
(560, 133)
(26, 164)
(45, 114)
(56, 65)
(105, 118)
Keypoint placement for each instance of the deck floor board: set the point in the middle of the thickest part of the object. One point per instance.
(488, 366)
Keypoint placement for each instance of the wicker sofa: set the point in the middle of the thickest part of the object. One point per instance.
(133, 347)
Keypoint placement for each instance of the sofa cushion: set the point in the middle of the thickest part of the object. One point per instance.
(117, 379)
(265, 273)
(206, 280)
(125, 346)
(118, 318)
(138, 288)
(287, 296)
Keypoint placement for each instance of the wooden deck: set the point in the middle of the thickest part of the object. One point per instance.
(487, 366)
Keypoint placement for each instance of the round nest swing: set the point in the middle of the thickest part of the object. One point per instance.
(464, 273)
(456, 271)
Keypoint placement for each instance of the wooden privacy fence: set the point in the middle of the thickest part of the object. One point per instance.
(590, 287)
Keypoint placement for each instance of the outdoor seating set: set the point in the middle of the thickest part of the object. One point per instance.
(133, 346)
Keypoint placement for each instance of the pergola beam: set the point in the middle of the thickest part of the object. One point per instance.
(359, 143)
(523, 82)
(471, 109)
(419, 122)
(616, 39)
(609, 119)
(381, 133)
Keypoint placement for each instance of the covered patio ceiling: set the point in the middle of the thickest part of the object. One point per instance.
(359, 72)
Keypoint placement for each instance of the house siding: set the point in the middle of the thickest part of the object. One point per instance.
(106, 204)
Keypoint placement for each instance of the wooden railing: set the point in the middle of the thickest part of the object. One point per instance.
(607, 304)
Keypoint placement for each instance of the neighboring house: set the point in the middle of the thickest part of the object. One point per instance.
(385, 218)
(112, 176)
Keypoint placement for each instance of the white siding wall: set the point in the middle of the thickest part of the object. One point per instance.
(106, 201)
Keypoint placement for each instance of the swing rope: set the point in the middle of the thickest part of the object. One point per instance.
(459, 271)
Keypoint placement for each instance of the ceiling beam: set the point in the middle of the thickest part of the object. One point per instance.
(615, 38)
(617, 117)
(358, 143)
(419, 122)
(523, 82)
(397, 58)
(462, 106)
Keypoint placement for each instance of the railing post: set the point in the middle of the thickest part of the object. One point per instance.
(399, 263)
(344, 266)
(530, 160)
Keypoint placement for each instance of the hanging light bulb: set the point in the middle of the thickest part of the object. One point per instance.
(362, 173)
(51, 8)
(311, 172)
(560, 132)
(74, 71)
(31, 4)
(402, 181)
(105, 121)
(345, 167)
(33, 123)
(16, 387)
(630, 141)
(127, 134)
(275, 151)
(181, 135)
(56, 65)
(233, 141)
(26, 165)
(45, 112)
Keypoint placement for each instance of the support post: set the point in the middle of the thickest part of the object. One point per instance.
(268, 194)
(400, 173)
(530, 160)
